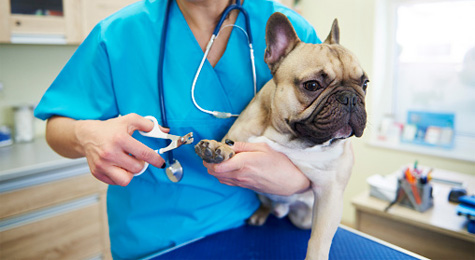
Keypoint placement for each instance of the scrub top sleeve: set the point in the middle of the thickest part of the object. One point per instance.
(84, 88)
(312, 37)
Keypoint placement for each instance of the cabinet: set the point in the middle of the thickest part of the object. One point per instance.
(95, 10)
(51, 208)
(63, 22)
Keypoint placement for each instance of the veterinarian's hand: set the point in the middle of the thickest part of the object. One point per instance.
(258, 167)
(107, 145)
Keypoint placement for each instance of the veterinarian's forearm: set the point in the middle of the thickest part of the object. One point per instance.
(61, 136)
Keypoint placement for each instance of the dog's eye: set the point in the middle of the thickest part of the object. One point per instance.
(311, 85)
(365, 85)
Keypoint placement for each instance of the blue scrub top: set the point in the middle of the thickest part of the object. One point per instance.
(114, 72)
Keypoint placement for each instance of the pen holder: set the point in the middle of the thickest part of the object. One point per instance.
(417, 196)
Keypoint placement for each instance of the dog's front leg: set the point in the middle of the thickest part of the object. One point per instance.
(328, 188)
(327, 211)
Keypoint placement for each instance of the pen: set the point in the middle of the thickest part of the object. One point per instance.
(408, 176)
(429, 175)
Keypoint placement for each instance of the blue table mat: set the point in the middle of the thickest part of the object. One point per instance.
(279, 239)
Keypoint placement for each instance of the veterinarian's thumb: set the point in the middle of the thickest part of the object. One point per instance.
(247, 147)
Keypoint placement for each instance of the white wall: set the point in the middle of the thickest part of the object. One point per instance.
(26, 71)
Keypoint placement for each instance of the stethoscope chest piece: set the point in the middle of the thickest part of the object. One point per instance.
(174, 171)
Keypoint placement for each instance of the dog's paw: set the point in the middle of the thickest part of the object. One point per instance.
(213, 152)
(259, 217)
(256, 220)
(280, 210)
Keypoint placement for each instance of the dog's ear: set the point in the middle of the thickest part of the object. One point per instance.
(334, 36)
(280, 39)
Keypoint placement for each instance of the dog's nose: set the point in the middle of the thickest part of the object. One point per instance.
(347, 98)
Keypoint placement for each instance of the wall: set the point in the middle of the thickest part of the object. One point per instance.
(27, 70)
(357, 22)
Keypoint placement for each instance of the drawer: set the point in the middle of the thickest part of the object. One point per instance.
(32, 24)
(43, 195)
(69, 231)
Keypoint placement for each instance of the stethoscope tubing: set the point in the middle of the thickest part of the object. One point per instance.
(226, 12)
(161, 95)
(170, 159)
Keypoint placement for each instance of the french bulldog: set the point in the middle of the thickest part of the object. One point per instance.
(313, 104)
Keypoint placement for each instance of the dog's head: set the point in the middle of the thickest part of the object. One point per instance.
(321, 88)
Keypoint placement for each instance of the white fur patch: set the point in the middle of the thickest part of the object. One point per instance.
(313, 161)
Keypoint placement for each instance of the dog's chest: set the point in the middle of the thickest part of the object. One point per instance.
(317, 163)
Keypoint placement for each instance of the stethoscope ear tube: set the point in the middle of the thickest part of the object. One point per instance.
(215, 34)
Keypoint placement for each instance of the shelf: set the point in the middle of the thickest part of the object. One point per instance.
(464, 148)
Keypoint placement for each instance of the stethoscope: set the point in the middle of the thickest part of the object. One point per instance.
(175, 170)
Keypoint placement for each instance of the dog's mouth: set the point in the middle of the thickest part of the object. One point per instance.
(331, 121)
(344, 132)
(318, 136)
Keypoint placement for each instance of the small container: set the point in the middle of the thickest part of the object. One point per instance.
(417, 196)
(24, 123)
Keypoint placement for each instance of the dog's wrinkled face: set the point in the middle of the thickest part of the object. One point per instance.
(323, 85)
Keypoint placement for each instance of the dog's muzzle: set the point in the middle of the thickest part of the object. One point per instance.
(340, 116)
(348, 99)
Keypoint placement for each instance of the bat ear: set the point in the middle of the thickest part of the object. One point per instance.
(334, 36)
(280, 39)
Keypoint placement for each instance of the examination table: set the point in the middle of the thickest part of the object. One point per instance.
(279, 239)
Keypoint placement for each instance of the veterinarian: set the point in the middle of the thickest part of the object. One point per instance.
(97, 102)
